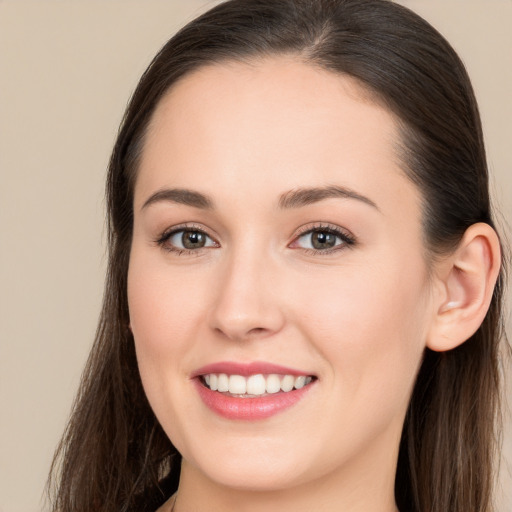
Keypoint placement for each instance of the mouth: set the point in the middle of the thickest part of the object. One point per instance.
(254, 386)
(251, 391)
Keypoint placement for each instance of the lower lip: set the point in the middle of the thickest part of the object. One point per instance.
(235, 408)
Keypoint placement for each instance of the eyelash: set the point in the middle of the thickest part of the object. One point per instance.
(347, 239)
(168, 234)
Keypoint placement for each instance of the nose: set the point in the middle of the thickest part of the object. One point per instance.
(246, 303)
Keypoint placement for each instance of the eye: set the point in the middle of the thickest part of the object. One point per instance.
(185, 240)
(323, 239)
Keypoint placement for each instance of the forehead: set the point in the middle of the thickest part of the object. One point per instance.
(270, 94)
(278, 119)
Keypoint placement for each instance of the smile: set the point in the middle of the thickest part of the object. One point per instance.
(251, 391)
(254, 385)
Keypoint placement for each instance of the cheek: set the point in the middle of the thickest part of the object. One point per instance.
(164, 306)
(165, 319)
(370, 325)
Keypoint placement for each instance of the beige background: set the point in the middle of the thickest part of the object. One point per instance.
(67, 69)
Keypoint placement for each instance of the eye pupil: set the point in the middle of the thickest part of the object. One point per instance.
(323, 240)
(193, 239)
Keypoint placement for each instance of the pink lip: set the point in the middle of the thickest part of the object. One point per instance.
(246, 369)
(235, 408)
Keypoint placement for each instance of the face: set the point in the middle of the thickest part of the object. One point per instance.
(277, 255)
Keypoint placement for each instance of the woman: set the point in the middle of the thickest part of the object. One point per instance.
(304, 291)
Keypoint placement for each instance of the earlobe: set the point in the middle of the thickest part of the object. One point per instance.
(467, 278)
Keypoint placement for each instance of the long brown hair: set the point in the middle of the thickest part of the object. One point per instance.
(114, 456)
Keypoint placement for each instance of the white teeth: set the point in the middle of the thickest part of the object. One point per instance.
(237, 385)
(300, 382)
(222, 383)
(287, 383)
(273, 383)
(255, 385)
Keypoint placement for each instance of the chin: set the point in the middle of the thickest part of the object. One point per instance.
(258, 479)
(244, 472)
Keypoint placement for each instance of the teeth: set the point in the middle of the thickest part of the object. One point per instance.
(273, 383)
(300, 382)
(254, 385)
(222, 383)
(237, 385)
(287, 383)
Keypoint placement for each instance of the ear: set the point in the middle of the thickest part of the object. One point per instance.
(466, 280)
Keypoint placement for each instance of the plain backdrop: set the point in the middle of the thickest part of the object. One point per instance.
(67, 69)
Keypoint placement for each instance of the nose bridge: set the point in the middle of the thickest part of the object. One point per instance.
(245, 302)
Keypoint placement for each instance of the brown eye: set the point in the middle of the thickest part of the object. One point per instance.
(322, 240)
(193, 239)
(187, 240)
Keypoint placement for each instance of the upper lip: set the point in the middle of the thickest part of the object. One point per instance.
(247, 369)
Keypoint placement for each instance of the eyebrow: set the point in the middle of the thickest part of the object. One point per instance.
(180, 196)
(300, 197)
(295, 198)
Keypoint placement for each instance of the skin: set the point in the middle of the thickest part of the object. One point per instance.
(358, 318)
